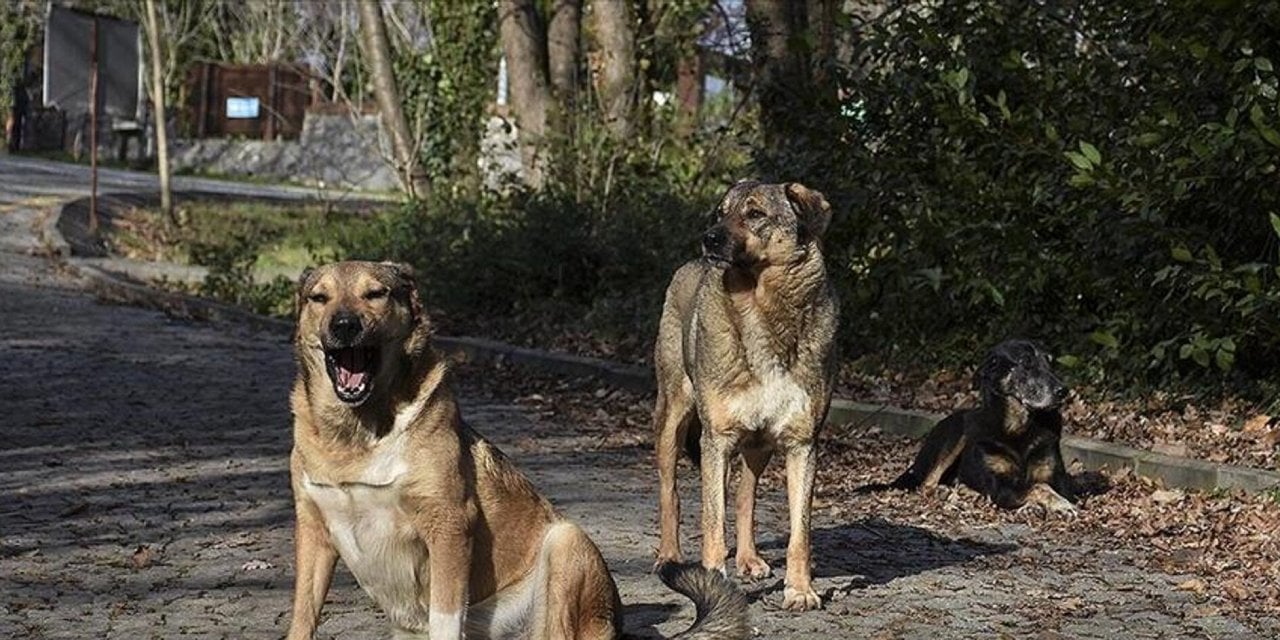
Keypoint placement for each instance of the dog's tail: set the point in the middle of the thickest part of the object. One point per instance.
(721, 606)
(909, 480)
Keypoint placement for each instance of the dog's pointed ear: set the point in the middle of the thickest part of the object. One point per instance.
(813, 209)
(407, 282)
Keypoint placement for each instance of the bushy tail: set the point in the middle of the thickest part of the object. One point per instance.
(721, 606)
(908, 481)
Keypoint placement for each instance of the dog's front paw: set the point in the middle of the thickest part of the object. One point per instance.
(1062, 507)
(752, 568)
(800, 599)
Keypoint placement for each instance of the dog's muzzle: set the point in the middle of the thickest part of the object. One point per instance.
(351, 366)
(716, 246)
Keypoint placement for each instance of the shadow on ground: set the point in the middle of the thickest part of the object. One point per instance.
(874, 551)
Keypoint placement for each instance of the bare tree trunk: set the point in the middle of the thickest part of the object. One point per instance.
(616, 39)
(378, 54)
(564, 49)
(782, 75)
(161, 115)
(822, 29)
(526, 52)
(689, 90)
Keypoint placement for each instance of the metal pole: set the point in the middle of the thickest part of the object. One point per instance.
(93, 129)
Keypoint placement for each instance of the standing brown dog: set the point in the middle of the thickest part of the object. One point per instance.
(745, 358)
(433, 521)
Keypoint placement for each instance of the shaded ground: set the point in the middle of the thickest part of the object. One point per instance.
(144, 494)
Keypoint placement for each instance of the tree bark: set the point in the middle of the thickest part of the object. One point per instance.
(161, 115)
(378, 55)
(525, 47)
(564, 49)
(689, 91)
(822, 28)
(615, 36)
(781, 68)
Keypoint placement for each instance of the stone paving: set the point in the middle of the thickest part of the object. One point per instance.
(144, 494)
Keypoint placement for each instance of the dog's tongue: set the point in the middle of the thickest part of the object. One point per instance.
(351, 368)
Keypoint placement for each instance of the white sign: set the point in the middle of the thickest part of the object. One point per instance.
(242, 108)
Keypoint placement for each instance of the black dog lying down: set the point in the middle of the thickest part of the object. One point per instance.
(1008, 448)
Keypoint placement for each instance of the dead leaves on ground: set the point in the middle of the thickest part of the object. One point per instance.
(1226, 547)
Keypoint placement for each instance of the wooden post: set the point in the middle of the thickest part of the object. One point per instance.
(270, 107)
(202, 107)
(93, 128)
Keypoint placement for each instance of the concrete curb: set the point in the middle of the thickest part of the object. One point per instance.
(1178, 472)
(50, 236)
(1093, 454)
(115, 288)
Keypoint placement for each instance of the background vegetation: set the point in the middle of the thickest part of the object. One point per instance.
(1100, 176)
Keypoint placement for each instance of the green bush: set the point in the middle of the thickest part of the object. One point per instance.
(586, 259)
(1099, 175)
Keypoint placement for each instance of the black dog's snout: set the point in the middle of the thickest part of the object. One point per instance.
(345, 327)
(714, 239)
(1060, 392)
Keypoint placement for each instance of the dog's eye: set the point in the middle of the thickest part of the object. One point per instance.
(755, 214)
(318, 298)
(376, 294)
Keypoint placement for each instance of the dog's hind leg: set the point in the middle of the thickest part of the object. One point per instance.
(750, 565)
(576, 597)
(937, 457)
(994, 472)
(1045, 465)
(673, 417)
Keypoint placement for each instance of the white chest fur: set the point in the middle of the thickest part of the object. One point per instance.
(774, 402)
(372, 533)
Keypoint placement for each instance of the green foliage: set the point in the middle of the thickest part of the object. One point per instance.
(446, 88)
(1102, 177)
(230, 278)
(246, 246)
(18, 31)
(586, 258)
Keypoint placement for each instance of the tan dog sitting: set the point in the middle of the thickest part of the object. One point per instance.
(434, 522)
(745, 359)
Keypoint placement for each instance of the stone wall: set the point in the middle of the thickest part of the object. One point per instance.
(334, 150)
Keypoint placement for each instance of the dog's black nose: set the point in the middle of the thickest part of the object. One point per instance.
(345, 327)
(714, 239)
(1060, 393)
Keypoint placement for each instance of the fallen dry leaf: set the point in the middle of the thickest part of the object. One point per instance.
(1256, 424)
(1167, 496)
(1235, 590)
(142, 557)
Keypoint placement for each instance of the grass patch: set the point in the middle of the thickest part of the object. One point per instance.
(253, 250)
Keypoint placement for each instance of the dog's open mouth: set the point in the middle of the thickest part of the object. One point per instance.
(352, 370)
